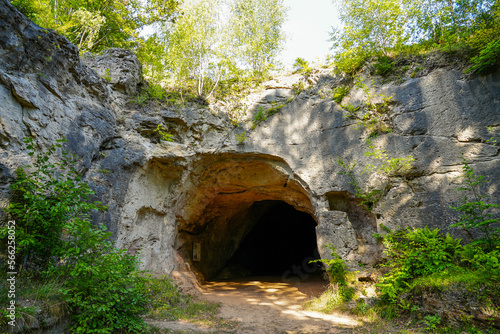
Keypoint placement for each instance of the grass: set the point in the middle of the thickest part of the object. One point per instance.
(389, 318)
(33, 294)
(167, 303)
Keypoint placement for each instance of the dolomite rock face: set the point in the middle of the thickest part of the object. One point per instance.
(207, 189)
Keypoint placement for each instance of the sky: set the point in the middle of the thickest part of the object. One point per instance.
(307, 28)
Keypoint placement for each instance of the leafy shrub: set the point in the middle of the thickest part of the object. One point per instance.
(432, 322)
(163, 135)
(299, 87)
(301, 66)
(44, 201)
(259, 117)
(28, 7)
(389, 166)
(350, 111)
(103, 287)
(340, 92)
(101, 284)
(335, 267)
(415, 253)
(487, 58)
(156, 91)
(335, 296)
(107, 75)
(384, 66)
(474, 212)
(241, 138)
(350, 61)
(262, 115)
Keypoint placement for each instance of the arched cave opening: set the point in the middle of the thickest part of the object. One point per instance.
(281, 241)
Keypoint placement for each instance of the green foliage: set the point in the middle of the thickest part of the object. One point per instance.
(375, 119)
(100, 284)
(194, 45)
(299, 87)
(391, 27)
(216, 41)
(107, 75)
(492, 140)
(262, 115)
(368, 198)
(335, 267)
(384, 66)
(44, 201)
(101, 24)
(350, 111)
(350, 60)
(474, 212)
(156, 92)
(29, 8)
(415, 253)
(415, 71)
(334, 297)
(389, 166)
(259, 117)
(301, 66)
(432, 322)
(370, 27)
(103, 286)
(340, 92)
(488, 57)
(165, 136)
(256, 33)
(241, 138)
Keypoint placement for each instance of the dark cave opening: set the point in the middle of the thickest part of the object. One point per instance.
(281, 243)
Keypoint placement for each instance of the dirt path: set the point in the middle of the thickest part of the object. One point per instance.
(266, 305)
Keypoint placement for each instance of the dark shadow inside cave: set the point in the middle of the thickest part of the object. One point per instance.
(281, 243)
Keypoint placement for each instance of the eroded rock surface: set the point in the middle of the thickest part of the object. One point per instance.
(204, 188)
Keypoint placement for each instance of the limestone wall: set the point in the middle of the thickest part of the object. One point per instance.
(162, 197)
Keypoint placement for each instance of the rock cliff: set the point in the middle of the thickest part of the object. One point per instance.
(200, 195)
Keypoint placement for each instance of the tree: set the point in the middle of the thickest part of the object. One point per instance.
(256, 32)
(99, 24)
(375, 26)
(196, 45)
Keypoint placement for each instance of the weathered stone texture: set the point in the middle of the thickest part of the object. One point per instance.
(163, 196)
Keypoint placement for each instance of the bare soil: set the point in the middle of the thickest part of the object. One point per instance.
(263, 305)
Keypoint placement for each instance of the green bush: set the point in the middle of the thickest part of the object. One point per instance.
(301, 66)
(474, 213)
(350, 61)
(384, 66)
(101, 284)
(415, 253)
(335, 267)
(43, 202)
(340, 92)
(487, 58)
(162, 134)
(28, 7)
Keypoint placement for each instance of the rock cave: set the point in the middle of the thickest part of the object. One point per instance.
(246, 217)
(277, 240)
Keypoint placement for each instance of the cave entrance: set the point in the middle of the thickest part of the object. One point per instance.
(281, 241)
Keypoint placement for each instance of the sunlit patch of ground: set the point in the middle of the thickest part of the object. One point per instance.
(266, 305)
